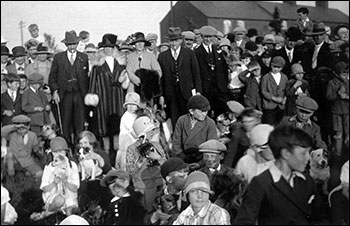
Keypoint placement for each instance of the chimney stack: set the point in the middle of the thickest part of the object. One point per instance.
(323, 4)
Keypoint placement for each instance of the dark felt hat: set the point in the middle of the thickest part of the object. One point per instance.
(71, 37)
(140, 37)
(19, 51)
(252, 32)
(171, 165)
(5, 51)
(174, 33)
(294, 34)
(41, 49)
(318, 29)
(199, 102)
(112, 175)
(251, 46)
(108, 40)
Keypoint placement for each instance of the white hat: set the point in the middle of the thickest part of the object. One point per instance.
(132, 98)
(74, 220)
(143, 125)
(260, 134)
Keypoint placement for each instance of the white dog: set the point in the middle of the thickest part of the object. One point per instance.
(61, 164)
(89, 168)
(319, 168)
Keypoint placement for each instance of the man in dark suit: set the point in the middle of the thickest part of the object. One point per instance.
(213, 71)
(68, 80)
(283, 194)
(181, 78)
(290, 53)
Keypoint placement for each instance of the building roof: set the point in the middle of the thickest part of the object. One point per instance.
(259, 10)
(289, 12)
(231, 9)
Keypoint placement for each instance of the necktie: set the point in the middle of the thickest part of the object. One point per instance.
(290, 56)
(71, 59)
(13, 96)
(314, 58)
(175, 55)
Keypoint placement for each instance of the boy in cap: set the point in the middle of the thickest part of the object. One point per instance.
(193, 129)
(11, 100)
(201, 210)
(265, 61)
(305, 108)
(338, 95)
(273, 86)
(259, 156)
(35, 103)
(174, 171)
(21, 144)
(251, 78)
(296, 87)
(213, 153)
(126, 207)
(283, 194)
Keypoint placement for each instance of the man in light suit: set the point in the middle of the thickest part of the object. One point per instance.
(181, 78)
(68, 81)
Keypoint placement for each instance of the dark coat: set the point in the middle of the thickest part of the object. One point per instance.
(296, 58)
(324, 58)
(270, 88)
(59, 74)
(130, 210)
(8, 104)
(30, 100)
(188, 72)
(292, 97)
(221, 69)
(252, 96)
(338, 105)
(278, 203)
(109, 111)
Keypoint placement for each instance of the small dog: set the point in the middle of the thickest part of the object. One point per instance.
(89, 168)
(61, 164)
(319, 168)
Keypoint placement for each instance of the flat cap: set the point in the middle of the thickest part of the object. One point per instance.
(35, 78)
(269, 39)
(239, 30)
(20, 119)
(112, 175)
(151, 36)
(212, 146)
(278, 61)
(188, 34)
(235, 107)
(260, 134)
(208, 30)
(307, 104)
(171, 165)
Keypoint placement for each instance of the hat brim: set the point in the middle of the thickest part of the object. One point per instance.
(210, 151)
(21, 125)
(172, 38)
(43, 52)
(314, 33)
(147, 43)
(6, 54)
(71, 42)
(305, 109)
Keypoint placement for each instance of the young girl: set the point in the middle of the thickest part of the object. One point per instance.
(127, 135)
(126, 206)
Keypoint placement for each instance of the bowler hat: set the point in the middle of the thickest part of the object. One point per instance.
(307, 104)
(171, 165)
(108, 40)
(174, 33)
(199, 102)
(5, 51)
(252, 32)
(71, 37)
(251, 46)
(41, 49)
(294, 34)
(208, 30)
(35, 78)
(140, 37)
(278, 61)
(112, 175)
(18, 51)
(318, 29)
(296, 69)
(212, 146)
(59, 144)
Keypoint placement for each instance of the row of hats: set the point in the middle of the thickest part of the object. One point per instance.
(21, 51)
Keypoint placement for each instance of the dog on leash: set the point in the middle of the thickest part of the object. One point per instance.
(319, 168)
(89, 168)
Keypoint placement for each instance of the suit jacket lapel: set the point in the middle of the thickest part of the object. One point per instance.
(66, 60)
(196, 129)
(283, 187)
(181, 57)
(170, 59)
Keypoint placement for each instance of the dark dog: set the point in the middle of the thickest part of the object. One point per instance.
(319, 168)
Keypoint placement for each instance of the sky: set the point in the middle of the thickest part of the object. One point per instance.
(97, 17)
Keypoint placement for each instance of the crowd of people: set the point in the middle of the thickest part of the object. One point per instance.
(207, 128)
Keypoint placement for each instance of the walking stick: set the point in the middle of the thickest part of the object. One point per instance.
(59, 116)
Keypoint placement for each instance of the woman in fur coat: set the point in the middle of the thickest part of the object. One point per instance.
(107, 81)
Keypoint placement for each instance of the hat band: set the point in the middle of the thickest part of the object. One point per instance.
(210, 151)
(316, 30)
(199, 185)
